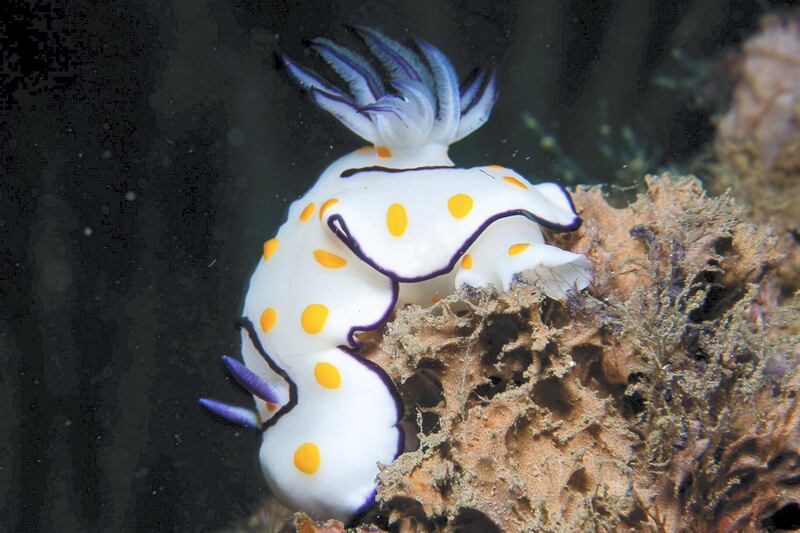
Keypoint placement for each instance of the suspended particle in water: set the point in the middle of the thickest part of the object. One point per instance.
(56, 276)
(236, 137)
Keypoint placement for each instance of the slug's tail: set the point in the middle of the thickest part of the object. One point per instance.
(425, 104)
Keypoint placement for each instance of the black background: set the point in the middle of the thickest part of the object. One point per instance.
(148, 149)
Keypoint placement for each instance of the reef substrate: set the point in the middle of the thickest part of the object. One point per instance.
(664, 398)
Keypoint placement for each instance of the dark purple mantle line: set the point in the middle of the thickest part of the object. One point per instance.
(355, 343)
(247, 325)
(350, 172)
(369, 502)
(338, 226)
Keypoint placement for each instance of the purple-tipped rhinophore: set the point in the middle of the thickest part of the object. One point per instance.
(250, 381)
(231, 413)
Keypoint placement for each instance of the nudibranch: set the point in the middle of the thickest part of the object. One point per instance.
(393, 223)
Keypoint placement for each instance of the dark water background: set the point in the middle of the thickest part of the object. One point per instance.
(148, 148)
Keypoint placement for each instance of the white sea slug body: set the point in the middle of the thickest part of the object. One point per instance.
(396, 222)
